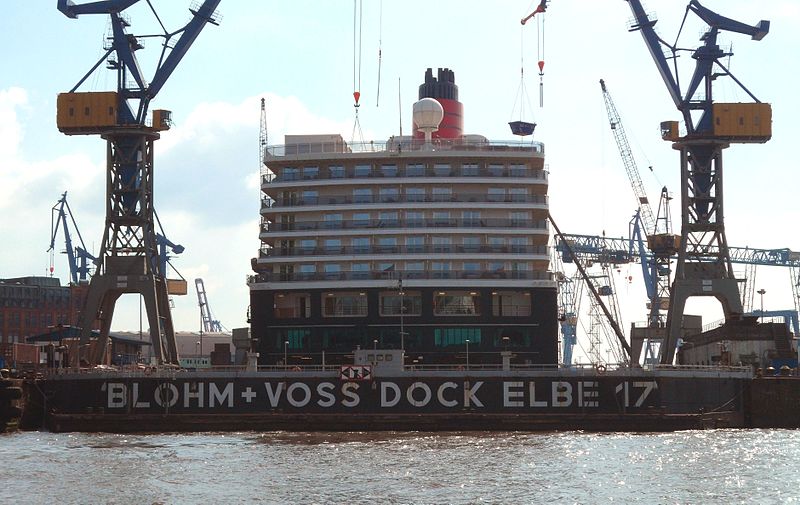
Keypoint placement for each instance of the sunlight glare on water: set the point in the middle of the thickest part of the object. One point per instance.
(724, 466)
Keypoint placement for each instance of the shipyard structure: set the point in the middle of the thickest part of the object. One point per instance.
(434, 243)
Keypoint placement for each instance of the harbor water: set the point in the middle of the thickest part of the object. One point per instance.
(690, 467)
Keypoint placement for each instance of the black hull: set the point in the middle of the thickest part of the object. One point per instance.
(183, 402)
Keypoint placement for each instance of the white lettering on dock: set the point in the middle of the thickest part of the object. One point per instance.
(426, 394)
(306, 394)
(197, 395)
(440, 394)
(214, 394)
(469, 394)
(385, 387)
(509, 395)
(136, 403)
(324, 389)
(352, 396)
(562, 394)
(117, 394)
(169, 390)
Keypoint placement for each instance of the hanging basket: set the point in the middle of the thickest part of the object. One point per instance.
(522, 128)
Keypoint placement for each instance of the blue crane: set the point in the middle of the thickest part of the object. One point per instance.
(130, 241)
(77, 256)
(708, 133)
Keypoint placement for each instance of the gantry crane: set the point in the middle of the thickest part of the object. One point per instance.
(77, 256)
(710, 128)
(210, 325)
(128, 261)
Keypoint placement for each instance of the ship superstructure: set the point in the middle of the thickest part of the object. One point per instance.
(437, 245)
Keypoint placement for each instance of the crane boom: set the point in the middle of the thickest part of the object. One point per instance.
(77, 256)
(629, 162)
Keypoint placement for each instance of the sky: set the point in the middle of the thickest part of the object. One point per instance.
(300, 57)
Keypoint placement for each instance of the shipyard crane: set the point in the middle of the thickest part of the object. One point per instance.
(128, 258)
(210, 325)
(77, 256)
(657, 229)
(710, 128)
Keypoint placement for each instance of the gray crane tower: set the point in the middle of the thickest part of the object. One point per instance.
(704, 266)
(128, 261)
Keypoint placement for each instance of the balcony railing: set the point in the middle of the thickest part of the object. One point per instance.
(406, 172)
(399, 274)
(356, 224)
(349, 199)
(403, 145)
(274, 252)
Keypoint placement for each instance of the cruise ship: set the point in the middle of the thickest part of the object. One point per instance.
(437, 246)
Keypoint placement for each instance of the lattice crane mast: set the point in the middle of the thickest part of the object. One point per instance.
(713, 128)
(77, 256)
(210, 325)
(657, 229)
(128, 261)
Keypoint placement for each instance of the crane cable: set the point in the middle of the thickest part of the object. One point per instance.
(380, 44)
(357, 17)
(540, 55)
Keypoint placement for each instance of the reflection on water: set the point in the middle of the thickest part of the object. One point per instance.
(725, 466)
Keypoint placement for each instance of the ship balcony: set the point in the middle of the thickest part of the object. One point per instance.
(399, 146)
(529, 225)
(395, 275)
(325, 202)
(405, 250)
(408, 175)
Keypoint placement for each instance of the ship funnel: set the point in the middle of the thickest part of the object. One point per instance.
(443, 88)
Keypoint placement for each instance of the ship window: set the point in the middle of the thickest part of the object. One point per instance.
(442, 194)
(291, 174)
(310, 197)
(440, 268)
(363, 170)
(415, 244)
(471, 244)
(495, 169)
(361, 218)
(360, 270)
(442, 244)
(415, 194)
(472, 267)
(415, 218)
(469, 169)
(389, 194)
(518, 194)
(336, 171)
(362, 195)
(456, 336)
(292, 305)
(307, 246)
(333, 245)
(471, 218)
(415, 170)
(517, 170)
(389, 170)
(496, 194)
(387, 244)
(333, 270)
(297, 338)
(414, 269)
(519, 218)
(388, 219)
(441, 218)
(344, 304)
(441, 169)
(333, 221)
(310, 172)
(511, 303)
(391, 303)
(518, 244)
(360, 244)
